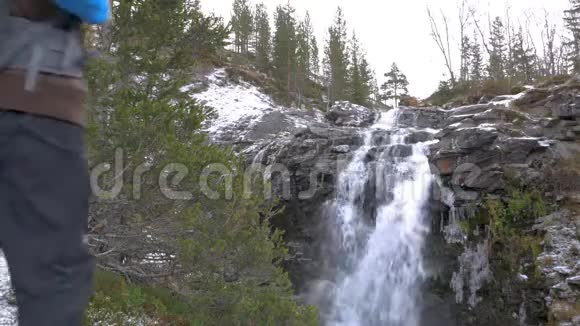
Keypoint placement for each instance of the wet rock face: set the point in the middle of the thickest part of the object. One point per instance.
(479, 147)
(482, 149)
(312, 158)
(516, 137)
(557, 107)
(480, 143)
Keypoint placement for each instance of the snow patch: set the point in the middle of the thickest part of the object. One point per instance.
(455, 125)
(462, 116)
(232, 103)
(240, 106)
(542, 142)
(506, 100)
(522, 277)
(546, 143)
(484, 127)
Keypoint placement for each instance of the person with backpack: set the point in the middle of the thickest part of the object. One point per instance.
(44, 183)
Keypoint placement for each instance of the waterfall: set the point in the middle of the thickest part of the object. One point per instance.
(381, 226)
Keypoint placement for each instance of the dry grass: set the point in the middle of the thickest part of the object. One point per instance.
(554, 81)
(562, 311)
(546, 261)
(564, 178)
(533, 97)
(251, 76)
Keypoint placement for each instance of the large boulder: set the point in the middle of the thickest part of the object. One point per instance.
(422, 118)
(569, 111)
(518, 150)
(346, 114)
(473, 138)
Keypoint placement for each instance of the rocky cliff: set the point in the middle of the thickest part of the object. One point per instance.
(509, 151)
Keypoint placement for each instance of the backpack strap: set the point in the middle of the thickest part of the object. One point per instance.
(53, 46)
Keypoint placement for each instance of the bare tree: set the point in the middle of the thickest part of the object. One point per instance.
(509, 31)
(531, 40)
(564, 50)
(442, 41)
(480, 29)
(463, 24)
(548, 37)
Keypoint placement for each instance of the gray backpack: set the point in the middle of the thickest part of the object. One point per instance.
(52, 47)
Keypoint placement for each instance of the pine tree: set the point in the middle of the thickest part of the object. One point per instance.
(523, 59)
(354, 75)
(138, 105)
(358, 74)
(285, 45)
(242, 25)
(476, 62)
(374, 87)
(572, 20)
(336, 59)
(367, 76)
(304, 36)
(395, 86)
(497, 55)
(262, 42)
(466, 51)
(314, 58)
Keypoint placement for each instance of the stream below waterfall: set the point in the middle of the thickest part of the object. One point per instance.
(380, 229)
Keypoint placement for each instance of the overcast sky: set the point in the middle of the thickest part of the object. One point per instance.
(398, 31)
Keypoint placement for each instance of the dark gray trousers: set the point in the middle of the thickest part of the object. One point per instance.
(44, 192)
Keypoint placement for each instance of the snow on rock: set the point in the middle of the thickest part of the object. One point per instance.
(347, 114)
(507, 100)
(7, 310)
(246, 114)
(480, 127)
(546, 143)
(468, 111)
(232, 102)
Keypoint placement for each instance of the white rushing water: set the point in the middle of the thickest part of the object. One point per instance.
(382, 229)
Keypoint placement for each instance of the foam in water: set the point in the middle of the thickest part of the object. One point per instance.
(381, 267)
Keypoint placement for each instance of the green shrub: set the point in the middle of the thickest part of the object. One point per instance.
(519, 208)
(507, 218)
(224, 256)
(115, 302)
(445, 93)
(118, 302)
